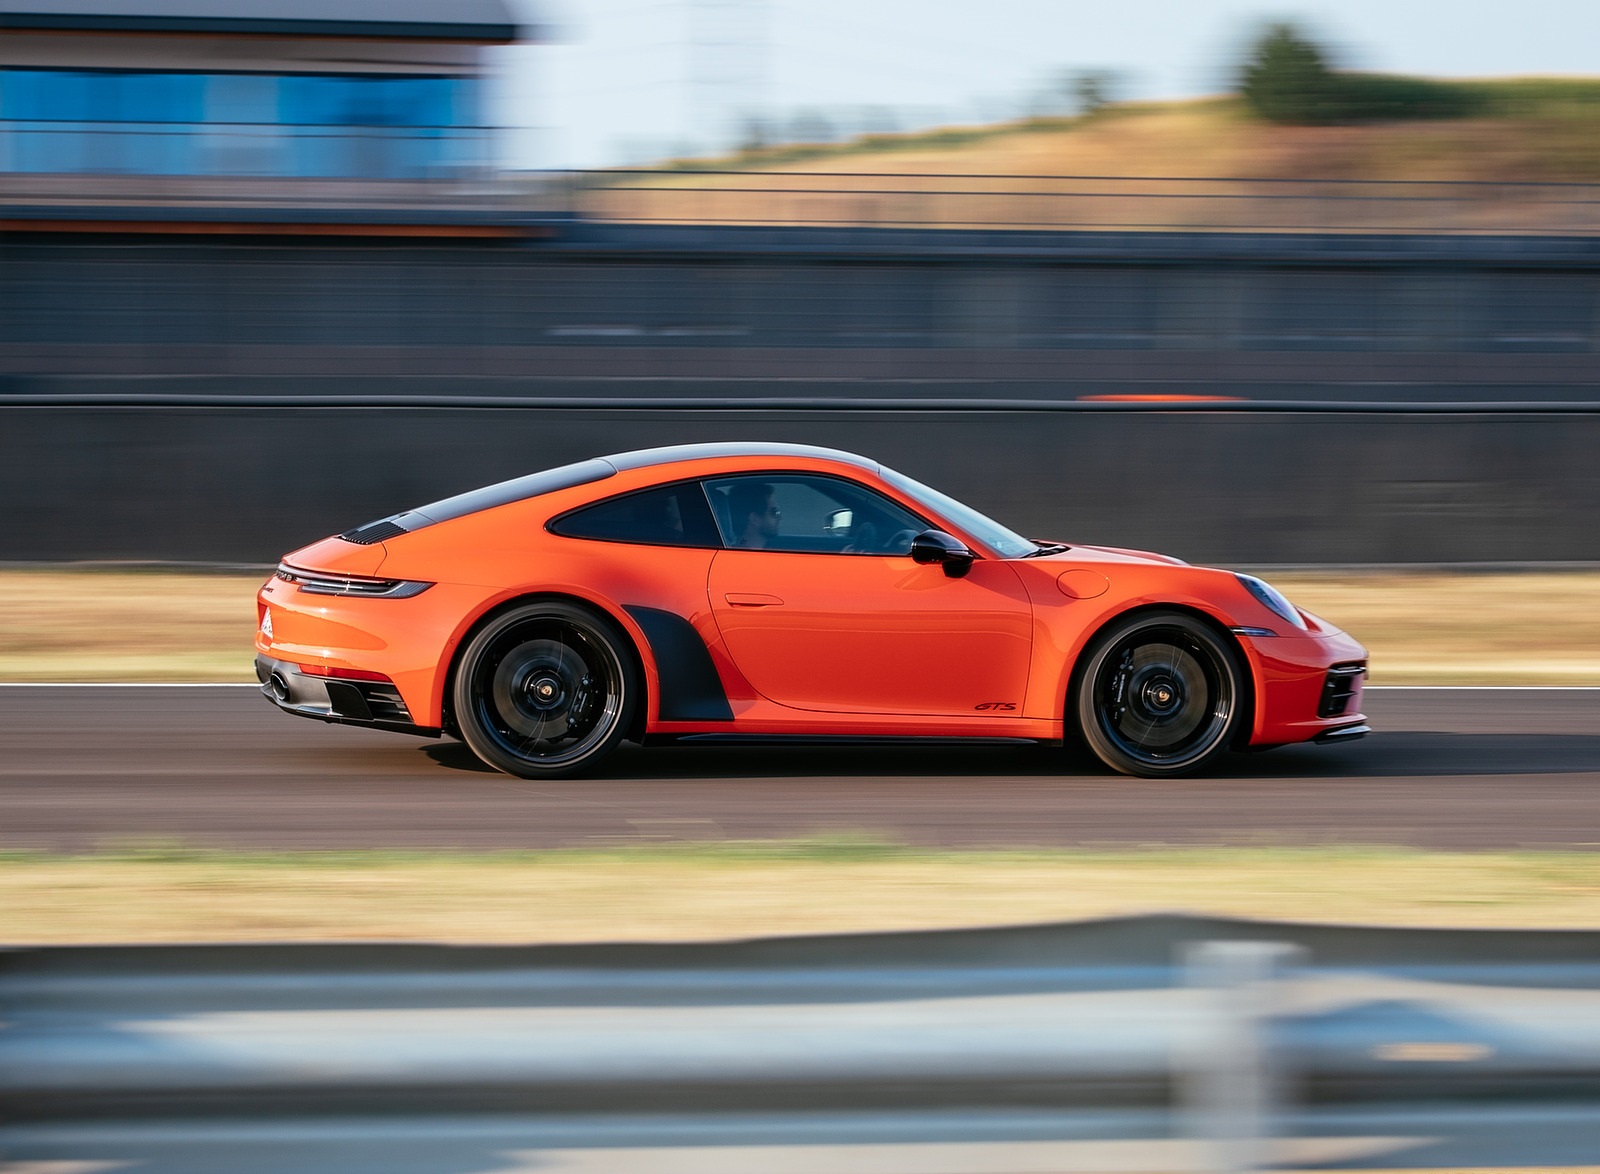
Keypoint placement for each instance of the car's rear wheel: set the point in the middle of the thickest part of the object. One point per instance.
(545, 690)
(1161, 695)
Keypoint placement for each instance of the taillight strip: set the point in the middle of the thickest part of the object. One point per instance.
(327, 583)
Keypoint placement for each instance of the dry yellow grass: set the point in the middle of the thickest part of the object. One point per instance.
(1160, 140)
(732, 892)
(1165, 144)
(1216, 139)
(1464, 629)
(1422, 629)
(104, 625)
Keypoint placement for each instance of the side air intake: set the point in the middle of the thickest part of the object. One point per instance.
(373, 532)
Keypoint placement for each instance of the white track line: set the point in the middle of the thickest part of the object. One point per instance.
(256, 685)
(1485, 688)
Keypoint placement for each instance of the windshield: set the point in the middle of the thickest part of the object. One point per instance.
(984, 529)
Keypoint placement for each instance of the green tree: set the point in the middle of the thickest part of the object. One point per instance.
(1286, 79)
(1092, 89)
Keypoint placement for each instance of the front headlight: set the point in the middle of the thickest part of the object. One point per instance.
(1272, 599)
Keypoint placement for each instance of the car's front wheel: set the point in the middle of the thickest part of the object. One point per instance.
(545, 690)
(1161, 694)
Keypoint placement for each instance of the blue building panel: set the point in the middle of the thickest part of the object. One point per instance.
(363, 126)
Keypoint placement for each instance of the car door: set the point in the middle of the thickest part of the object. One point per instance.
(822, 608)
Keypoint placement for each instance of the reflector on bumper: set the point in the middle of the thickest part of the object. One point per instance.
(355, 702)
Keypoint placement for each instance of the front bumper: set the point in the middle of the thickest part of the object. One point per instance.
(375, 704)
(1342, 734)
(1308, 688)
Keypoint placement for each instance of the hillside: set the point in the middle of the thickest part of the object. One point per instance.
(1529, 131)
(1534, 129)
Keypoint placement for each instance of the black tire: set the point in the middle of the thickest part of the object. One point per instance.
(545, 690)
(1161, 695)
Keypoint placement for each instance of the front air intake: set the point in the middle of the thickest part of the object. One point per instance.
(374, 532)
(1339, 688)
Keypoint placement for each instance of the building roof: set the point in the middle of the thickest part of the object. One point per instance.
(437, 20)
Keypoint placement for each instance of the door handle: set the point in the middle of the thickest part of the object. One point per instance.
(742, 599)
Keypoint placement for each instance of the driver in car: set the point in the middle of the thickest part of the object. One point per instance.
(756, 515)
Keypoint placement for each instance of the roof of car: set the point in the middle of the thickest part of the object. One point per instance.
(646, 457)
(583, 473)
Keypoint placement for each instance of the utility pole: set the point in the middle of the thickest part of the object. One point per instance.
(728, 65)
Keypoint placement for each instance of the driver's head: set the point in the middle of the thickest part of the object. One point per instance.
(755, 514)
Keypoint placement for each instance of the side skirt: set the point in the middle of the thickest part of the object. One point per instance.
(840, 740)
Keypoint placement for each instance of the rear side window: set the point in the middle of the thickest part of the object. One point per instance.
(672, 515)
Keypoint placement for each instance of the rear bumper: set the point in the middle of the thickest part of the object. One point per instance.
(374, 704)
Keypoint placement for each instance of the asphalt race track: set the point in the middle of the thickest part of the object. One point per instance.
(85, 767)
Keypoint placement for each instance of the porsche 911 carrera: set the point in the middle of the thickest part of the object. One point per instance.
(775, 592)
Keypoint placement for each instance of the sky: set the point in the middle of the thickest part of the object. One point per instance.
(615, 81)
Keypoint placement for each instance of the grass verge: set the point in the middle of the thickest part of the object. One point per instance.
(1421, 629)
(1502, 129)
(1463, 628)
(702, 892)
(127, 625)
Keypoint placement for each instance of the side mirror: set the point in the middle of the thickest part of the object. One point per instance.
(935, 546)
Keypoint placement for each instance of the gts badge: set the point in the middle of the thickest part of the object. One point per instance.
(995, 707)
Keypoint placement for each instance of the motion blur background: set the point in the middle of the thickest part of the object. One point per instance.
(1316, 286)
(265, 275)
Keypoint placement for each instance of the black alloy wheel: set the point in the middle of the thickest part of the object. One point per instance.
(546, 690)
(1161, 695)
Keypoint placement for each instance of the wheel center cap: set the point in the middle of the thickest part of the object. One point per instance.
(544, 689)
(1161, 697)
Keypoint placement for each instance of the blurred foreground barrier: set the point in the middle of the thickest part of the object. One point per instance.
(1154, 1043)
(1227, 483)
(531, 202)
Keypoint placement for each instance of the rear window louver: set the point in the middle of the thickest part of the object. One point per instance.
(373, 532)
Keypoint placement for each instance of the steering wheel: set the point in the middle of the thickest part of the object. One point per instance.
(900, 543)
(863, 539)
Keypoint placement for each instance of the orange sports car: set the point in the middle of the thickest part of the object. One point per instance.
(775, 591)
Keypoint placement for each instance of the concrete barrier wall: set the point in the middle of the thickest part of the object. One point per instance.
(726, 314)
(1069, 310)
(249, 483)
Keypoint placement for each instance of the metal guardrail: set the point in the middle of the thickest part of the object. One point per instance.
(468, 193)
(1073, 202)
(1167, 1042)
(1015, 203)
(1110, 404)
(1341, 486)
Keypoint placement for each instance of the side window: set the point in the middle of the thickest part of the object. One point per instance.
(809, 512)
(673, 515)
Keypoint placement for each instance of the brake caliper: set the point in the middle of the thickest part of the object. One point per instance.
(1119, 684)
